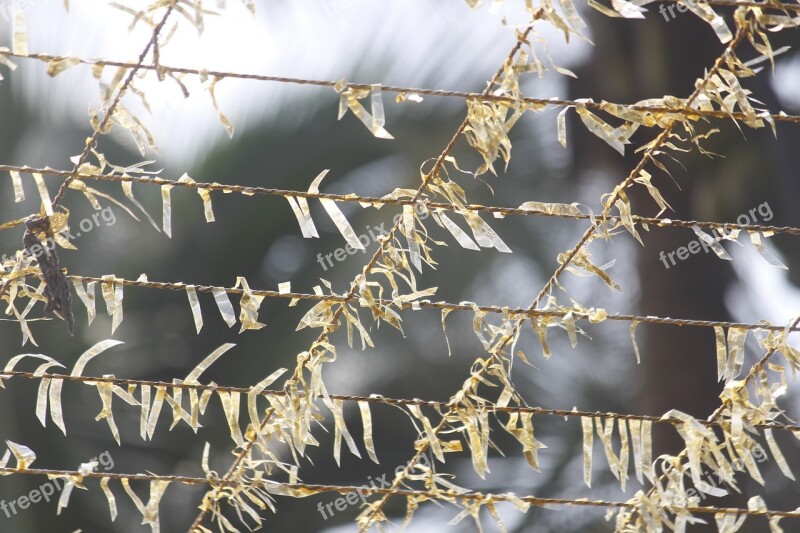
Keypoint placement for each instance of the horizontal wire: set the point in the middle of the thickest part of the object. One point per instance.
(600, 106)
(277, 488)
(437, 305)
(377, 399)
(249, 190)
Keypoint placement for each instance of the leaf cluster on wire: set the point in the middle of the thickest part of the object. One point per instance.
(294, 409)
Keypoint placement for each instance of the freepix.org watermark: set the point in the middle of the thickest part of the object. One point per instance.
(87, 225)
(363, 492)
(372, 235)
(694, 247)
(683, 8)
(47, 490)
(7, 10)
(695, 495)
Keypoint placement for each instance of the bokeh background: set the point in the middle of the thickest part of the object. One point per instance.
(285, 135)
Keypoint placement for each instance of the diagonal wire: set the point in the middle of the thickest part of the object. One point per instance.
(660, 139)
(379, 253)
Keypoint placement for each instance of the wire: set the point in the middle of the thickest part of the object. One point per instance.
(380, 201)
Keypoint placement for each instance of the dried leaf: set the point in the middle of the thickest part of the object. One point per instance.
(303, 215)
(112, 294)
(722, 352)
(411, 238)
(249, 305)
(145, 412)
(255, 391)
(366, 420)
(57, 66)
(149, 512)
(16, 181)
(204, 194)
(647, 449)
(106, 396)
(483, 233)
(340, 430)
(44, 385)
(45, 196)
(635, 323)
(87, 296)
(19, 36)
(623, 452)
(336, 215)
(569, 324)
(566, 210)
(735, 361)
(222, 118)
(166, 216)
(628, 10)
(56, 410)
(600, 128)
(766, 253)
(23, 455)
(127, 188)
(349, 98)
(705, 12)
(194, 303)
(635, 427)
(780, 460)
(224, 305)
(713, 243)
(572, 15)
(435, 445)
(561, 121)
(645, 179)
(91, 353)
(588, 442)
(230, 405)
(112, 501)
(461, 237)
(155, 410)
(208, 361)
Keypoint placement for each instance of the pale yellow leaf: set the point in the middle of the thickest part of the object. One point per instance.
(19, 36)
(16, 181)
(766, 253)
(112, 502)
(460, 235)
(112, 294)
(87, 296)
(588, 442)
(92, 352)
(206, 362)
(166, 207)
(722, 352)
(127, 188)
(194, 303)
(780, 460)
(366, 420)
(23, 455)
(224, 305)
(45, 196)
(222, 118)
(303, 214)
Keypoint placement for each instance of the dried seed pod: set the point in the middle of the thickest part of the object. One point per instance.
(59, 299)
